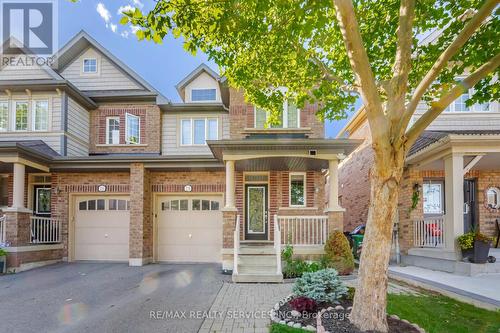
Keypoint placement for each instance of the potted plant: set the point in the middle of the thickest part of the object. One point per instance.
(466, 243)
(482, 244)
(3, 261)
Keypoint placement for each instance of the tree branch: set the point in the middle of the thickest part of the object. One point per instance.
(329, 76)
(469, 29)
(437, 107)
(361, 67)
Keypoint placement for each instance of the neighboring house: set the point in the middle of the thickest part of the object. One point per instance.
(452, 174)
(97, 165)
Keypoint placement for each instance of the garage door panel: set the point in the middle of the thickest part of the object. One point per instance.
(115, 252)
(102, 235)
(200, 237)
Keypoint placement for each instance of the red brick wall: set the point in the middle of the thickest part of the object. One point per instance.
(150, 126)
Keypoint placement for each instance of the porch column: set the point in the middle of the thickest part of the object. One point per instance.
(230, 188)
(18, 187)
(454, 199)
(335, 212)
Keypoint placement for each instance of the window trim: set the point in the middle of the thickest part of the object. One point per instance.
(191, 128)
(96, 66)
(127, 141)
(15, 102)
(430, 181)
(285, 117)
(450, 109)
(107, 130)
(304, 175)
(33, 116)
(7, 123)
(203, 100)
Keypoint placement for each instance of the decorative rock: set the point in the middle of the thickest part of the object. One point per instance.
(310, 328)
(282, 322)
(421, 330)
(330, 308)
(295, 313)
(349, 308)
(276, 320)
(339, 307)
(276, 306)
(290, 323)
(394, 317)
(405, 321)
(297, 325)
(416, 326)
(322, 311)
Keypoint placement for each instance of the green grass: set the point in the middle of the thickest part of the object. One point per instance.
(435, 313)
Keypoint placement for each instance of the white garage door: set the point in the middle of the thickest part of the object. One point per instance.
(189, 228)
(102, 228)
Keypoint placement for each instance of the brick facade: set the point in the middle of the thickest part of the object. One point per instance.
(150, 127)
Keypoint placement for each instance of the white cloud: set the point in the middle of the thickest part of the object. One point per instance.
(113, 27)
(125, 34)
(126, 8)
(138, 3)
(103, 12)
(134, 28)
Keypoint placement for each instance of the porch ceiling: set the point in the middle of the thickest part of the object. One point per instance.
(281, 163)
(489, 161)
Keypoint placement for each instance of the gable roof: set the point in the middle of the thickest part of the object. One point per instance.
(82, 41)
(194, 74)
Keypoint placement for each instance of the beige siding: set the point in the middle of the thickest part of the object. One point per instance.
(171, 134)
(23, 73)
(76, 147)
(53, 140)
(78, 120)
(108, 77)
(203, 81)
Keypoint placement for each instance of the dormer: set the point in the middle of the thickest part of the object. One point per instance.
(200, 86)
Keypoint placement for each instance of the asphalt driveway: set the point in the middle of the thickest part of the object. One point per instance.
(100, 297)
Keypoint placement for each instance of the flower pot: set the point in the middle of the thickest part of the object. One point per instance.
(481, 252)
(467, 254)
(3, 264)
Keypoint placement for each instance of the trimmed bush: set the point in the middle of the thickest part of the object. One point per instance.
(321, 286)
(338, 253)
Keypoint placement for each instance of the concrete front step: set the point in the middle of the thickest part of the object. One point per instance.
(256, 250)
(257, 260)
(257, 278)
(256, 269)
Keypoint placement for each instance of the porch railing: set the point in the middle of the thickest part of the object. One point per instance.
(429, 232)
(45, 230)
(236, 245)
(277, 244)
(2, 229)
(303, 230)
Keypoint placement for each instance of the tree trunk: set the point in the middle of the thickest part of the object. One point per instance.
(370, 300)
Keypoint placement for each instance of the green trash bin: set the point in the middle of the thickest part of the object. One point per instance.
(357, 245)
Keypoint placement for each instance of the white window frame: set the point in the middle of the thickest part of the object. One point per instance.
(473, 107)
(127, 116)
(191, 128)
(96, 66)
(107, 130)
(203, 100)
(304, 175)
(33, 116)
(6, 129)
(14, 113)
(285, 117)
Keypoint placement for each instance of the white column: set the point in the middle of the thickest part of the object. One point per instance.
(333, 190)
(454, 198)
(230, 188)
(18, 186)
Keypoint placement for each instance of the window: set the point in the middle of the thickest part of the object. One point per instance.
(4, 116)
(289, 118)
(493, 198)
(4, 191)
(459, 104)
(200, 95)
(21, 120)
(433, 197)
(41, 115)
(197, 131)
(90, 65)
(132, 129)
(116, 204)
(113, 130)
(297, 190)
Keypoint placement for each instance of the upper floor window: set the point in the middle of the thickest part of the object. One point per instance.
(113, 130)
(21, 118)
(195, 131)
(132, 129)
(289, 117)
(40, 115)
(201, 95)
(90, 65)
(459, 105)
(4, 116)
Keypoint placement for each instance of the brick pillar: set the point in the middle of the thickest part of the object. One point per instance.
(228, 225)
(335, 221)
(141, 222)
(17, 233)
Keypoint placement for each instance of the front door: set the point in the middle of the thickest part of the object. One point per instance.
(41, 200)
(469, 204)
(256, 221)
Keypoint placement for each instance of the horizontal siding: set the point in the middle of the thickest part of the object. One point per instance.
(56, 113)
(76, 148)
(23, 73)
(53, 141)
(110, 77)
(78, 120)
(170, 141)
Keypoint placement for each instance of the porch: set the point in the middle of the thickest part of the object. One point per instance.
(455, 178)
(278, 192)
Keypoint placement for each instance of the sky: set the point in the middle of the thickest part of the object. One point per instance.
(163, 65)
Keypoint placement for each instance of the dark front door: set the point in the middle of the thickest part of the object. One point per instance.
(41, 200)
(256, 219)
(469, 204)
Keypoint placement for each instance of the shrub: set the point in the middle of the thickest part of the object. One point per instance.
(3, 252)
(296, 267)
(466, 241)
(321, 286)
(303, 304)
(338, 253)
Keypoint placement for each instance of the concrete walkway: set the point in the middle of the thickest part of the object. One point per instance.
(244, 308)
(481, 290)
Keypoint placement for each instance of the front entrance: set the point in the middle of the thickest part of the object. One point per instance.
(256, 212)
(469, 204)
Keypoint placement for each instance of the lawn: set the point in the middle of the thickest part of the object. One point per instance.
(435, 313)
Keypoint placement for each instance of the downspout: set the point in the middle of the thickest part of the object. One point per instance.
(395, 232)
